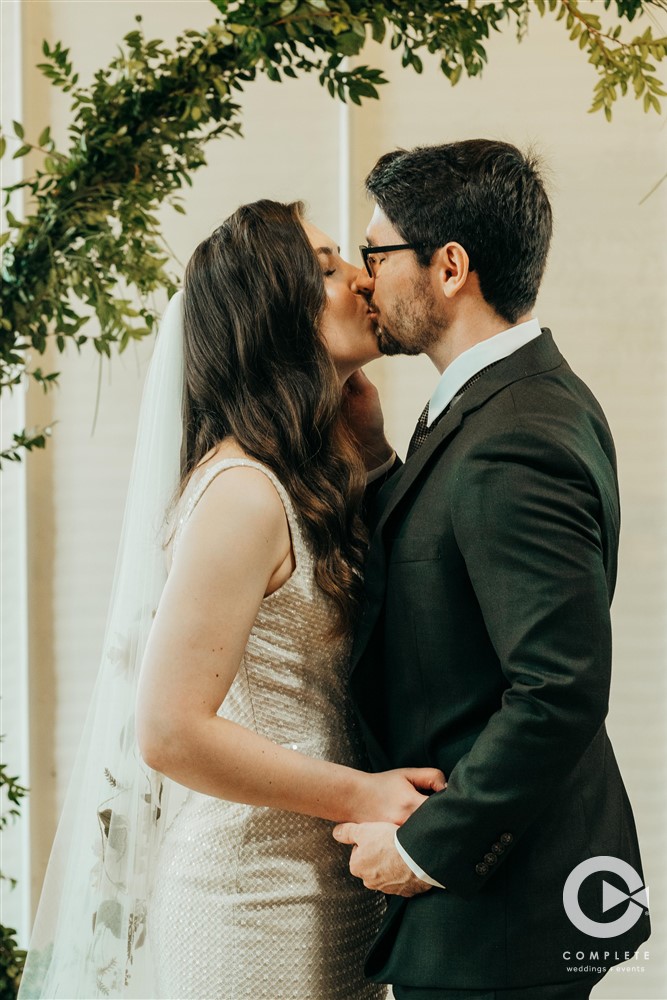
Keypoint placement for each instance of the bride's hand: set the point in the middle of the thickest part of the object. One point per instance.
(363, 413)
(392, 796)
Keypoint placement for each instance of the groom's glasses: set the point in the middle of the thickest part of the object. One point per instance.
(369, 253)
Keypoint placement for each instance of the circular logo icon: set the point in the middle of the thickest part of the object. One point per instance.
(636, 897)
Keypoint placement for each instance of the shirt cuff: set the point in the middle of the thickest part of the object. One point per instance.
(381, 469)
(413, 866)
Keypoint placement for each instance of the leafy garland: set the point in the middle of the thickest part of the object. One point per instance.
(12, 957)
(91, 245)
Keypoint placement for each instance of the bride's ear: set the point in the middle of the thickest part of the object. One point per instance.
(452, 266)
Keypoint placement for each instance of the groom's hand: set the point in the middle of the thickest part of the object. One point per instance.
(376, 861)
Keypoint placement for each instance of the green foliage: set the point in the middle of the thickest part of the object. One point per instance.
(620, 65)
(12, 957)
(27, 440)
(12, 960)
(13, 792)
(91, 245)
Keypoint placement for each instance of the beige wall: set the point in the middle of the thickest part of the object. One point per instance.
(604, 298)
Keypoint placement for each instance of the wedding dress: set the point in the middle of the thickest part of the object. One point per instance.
(252, 903)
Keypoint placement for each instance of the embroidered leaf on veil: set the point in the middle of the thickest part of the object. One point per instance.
(110, 914)
(110, 778)
(105, 820)
(117, 836)
(104, 988)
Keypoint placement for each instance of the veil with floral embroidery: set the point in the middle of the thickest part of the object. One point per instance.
(90, 936)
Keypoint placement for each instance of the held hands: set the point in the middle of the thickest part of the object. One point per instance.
(388, 799)
(363, 413)
(392, 796)
(376, 861)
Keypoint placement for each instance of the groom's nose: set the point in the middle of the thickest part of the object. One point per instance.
(363, 282)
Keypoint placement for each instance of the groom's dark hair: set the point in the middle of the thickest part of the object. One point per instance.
(484, 194)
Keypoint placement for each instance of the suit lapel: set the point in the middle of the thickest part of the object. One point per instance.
(397, 487)
(412, 469)
(538, 356)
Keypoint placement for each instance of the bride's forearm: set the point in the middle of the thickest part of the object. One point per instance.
(223, 759)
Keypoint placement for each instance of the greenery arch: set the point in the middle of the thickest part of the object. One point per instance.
(90, 244)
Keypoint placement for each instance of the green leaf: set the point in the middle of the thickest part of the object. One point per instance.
(21, 151)
(349, 43)
(378, 30)
(3, 146)
(44, 136)
(18, 130)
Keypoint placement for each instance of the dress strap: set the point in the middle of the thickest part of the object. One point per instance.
(300, 549)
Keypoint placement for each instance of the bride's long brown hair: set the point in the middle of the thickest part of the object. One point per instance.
(257, 369)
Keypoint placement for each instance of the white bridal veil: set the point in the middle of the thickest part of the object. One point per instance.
(90, 935)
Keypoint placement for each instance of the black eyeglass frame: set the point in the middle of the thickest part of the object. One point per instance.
(367, 251)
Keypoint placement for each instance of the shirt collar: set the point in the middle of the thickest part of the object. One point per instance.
(474, 359)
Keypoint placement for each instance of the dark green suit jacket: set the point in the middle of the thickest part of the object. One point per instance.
(485, 650)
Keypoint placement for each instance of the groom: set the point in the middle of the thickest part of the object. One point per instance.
(485, 647)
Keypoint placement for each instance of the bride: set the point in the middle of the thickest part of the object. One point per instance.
(195, 857)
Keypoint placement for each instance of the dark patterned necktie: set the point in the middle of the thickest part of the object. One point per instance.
(422, 430)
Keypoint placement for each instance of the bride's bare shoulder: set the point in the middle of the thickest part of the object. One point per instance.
(241, 496)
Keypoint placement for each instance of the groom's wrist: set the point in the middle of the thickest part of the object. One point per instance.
(413, 866)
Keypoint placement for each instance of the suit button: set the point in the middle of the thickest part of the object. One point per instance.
(506, 838)
(490, 859)
(481, 868)
(497, 848)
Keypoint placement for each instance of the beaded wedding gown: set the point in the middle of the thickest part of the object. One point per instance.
(252, 903)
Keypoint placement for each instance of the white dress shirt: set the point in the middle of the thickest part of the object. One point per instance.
(452, 379)
(474, 359)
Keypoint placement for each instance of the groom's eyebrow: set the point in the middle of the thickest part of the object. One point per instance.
(328, 251)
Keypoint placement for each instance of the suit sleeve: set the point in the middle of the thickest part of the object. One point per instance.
(527, 519)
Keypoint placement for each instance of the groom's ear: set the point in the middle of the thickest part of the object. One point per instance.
(452, 266)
